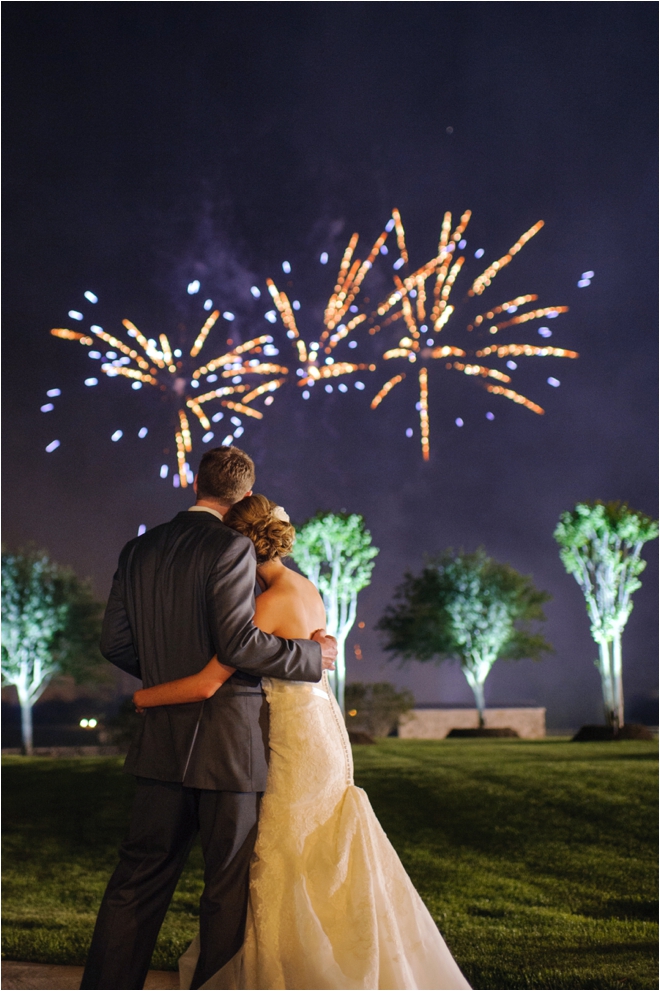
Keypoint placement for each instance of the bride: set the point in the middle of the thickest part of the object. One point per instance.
(330, 903)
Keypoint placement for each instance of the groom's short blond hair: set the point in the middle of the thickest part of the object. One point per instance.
(225, 474)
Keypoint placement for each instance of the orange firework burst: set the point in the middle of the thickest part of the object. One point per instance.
(158, 365)
(422, 299)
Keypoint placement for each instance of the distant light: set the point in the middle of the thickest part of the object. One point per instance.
(418, 407)
(552, 314)
(142, 432)
(194, 384)
(217, 417)
(54, 444)
(47, 407)
(458, 421)
(342, 387)
(110, 355)
(554, 382)
(270, 351)
(286, 267)
(409, 431)
(256, 292)
(164, 471)
(228, 440)
(588, 275)
(353, 309)
(305, 394)
(359, 385)
(383, 250)
(511, 309)
(91, 297)
(236, 421)
(130, 332)
(84, 723)
(449, 130)
(176, 481)
(296, 304)
(479, 253)
(92, 381)
(190, 476)
(324, 258)
(269, 400)
(328, 388)
(584, 282)
(490, 416)
(314, 346)
(239, 432)
(301, 373)
(290, 334)
(512, 365)
(271, 316)
(91, 723)
(413, 293)
(430, 342)
(209, 435)
(329, 361)
(193, 287)
(462, 244)
(451, 246)
(212, 378)
(398, 263)
(228, 315)
(352, 344)
(75, 315)
(118, 434)
(236, 379)
(141, 529)
(208, 303)
(545, 332)
(94, 354)
(389, 226)
(136, 385)
(53, 392)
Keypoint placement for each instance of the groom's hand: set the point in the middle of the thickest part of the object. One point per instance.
(328, 649)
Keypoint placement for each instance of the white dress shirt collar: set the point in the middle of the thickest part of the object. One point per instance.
(205, 509)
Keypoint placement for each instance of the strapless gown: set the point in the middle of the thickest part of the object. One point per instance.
(330, 904)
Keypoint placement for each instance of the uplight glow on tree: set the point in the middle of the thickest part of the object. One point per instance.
(601, 545)
(335, 552)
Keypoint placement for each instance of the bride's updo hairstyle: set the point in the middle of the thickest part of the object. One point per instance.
(263, 522)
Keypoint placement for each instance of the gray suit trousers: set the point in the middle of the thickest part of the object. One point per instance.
(166, 819)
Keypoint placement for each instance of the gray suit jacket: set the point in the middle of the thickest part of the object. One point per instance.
(183, 592)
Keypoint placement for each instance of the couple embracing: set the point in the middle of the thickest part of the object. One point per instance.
(242, 742)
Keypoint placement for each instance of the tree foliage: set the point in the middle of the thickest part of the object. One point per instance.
(467, 607)
(375, 708)
(335, 552)
(51, 625)
(600, 545)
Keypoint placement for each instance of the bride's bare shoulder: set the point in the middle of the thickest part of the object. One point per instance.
(291, 607)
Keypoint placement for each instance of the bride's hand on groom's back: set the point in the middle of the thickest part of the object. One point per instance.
(328, 648)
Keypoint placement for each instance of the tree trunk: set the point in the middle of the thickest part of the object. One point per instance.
(605, 667)
(478, 692)
(26, 727)
(617, 681)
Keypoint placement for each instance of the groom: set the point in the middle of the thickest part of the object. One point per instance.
(183, 592)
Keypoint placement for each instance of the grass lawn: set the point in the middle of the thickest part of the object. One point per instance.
(537, 859)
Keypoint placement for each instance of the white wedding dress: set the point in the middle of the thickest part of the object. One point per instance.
(330, 903)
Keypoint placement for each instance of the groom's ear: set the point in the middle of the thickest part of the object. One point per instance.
(195, 485)
(247, 494)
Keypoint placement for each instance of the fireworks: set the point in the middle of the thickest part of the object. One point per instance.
(421, 306)
(162, 367)
(426, 310)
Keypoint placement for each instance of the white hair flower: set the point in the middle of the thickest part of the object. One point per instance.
(280, 513)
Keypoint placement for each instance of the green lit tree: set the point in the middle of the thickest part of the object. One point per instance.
(334, 551)
(600, 545)
(51, 625)
(467, 607)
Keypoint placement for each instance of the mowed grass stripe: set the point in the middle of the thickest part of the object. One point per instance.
(538, 860)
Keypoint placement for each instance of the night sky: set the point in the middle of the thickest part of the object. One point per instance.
(150, 144)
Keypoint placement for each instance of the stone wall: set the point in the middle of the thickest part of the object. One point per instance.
(435, 724)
